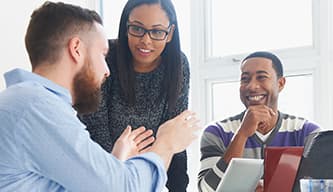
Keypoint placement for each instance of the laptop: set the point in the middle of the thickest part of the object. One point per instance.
(281, 164)
(316, 162)
(241, 175)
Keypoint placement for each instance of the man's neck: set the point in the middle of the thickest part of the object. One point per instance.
(54, 74)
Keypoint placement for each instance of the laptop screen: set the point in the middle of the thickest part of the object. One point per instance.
(242, 174)
(317, 158)
(281, 165)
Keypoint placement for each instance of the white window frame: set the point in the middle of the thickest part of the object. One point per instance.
(314, 59)
(317, 60)
(323, 89)
(92, 4)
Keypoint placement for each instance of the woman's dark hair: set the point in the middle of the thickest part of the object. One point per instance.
(170, 55)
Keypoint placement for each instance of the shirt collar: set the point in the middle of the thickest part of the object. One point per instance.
(16, 76)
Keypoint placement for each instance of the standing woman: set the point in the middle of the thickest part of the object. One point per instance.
(149, 79)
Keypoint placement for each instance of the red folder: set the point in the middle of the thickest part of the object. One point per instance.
(280, 168)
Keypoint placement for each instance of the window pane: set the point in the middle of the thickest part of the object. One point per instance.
(183, 16)
(226, 101)
(240, 26)
(111, 16)
(296, 98)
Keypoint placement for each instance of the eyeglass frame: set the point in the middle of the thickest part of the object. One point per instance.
(149, 31)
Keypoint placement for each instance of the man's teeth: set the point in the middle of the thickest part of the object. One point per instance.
(145, 50)
(256, 98)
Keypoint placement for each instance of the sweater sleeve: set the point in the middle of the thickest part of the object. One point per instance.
(212, 164)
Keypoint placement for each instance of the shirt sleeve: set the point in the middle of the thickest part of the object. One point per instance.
(212, 164)
(55, 144)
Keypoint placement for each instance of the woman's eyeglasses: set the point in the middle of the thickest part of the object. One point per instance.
(155, 34)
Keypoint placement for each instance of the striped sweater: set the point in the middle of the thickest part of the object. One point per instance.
(289, 131)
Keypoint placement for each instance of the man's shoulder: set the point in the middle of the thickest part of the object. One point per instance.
(235, 118)
(227, 125)
(20, 93)
(22, 96)
(19, 101)
(295, 123)
(287, 116)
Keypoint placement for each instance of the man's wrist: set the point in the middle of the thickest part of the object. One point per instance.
(164, 151)
(241, 136)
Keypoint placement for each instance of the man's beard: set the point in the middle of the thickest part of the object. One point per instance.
(87, 93)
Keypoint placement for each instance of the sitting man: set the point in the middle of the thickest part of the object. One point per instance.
(261, 124)
(44, 146)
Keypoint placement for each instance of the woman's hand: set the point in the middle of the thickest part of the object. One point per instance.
(131, 143)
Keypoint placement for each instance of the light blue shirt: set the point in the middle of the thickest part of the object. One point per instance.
(45, 147)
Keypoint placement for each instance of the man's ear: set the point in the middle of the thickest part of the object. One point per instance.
(281, 83)
(170, 34)
(75, 49)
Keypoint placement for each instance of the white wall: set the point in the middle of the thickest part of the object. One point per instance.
(14, 20)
